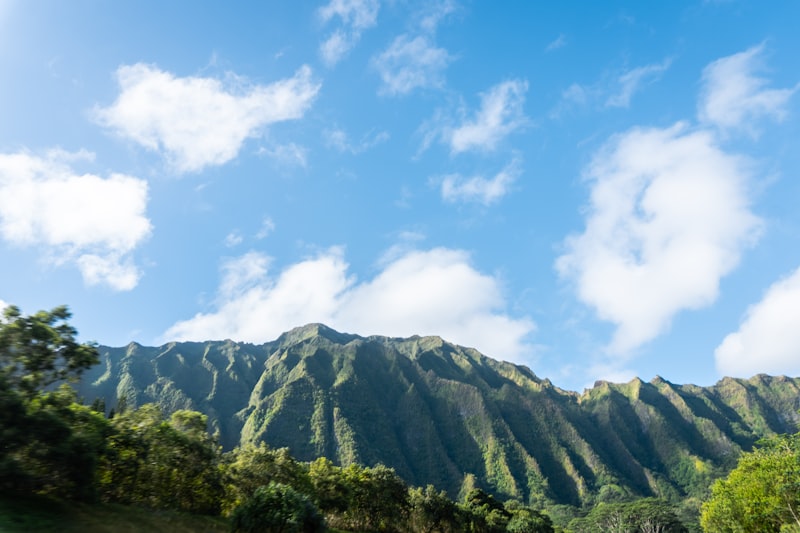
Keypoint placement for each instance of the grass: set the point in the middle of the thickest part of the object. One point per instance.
(45, 515)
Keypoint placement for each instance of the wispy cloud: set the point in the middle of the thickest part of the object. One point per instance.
(733, 97)
(555, 44)
(338, 139)
(768, 339)
(668, 217)
(199, 122)
(501, 113)
(355, 16)
(290, 154)
(434, 292)
(411, 63)
(93, 222)
(266, 229)
(478, 189)
(629, 82)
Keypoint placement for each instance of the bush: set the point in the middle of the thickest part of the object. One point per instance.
(277, 508)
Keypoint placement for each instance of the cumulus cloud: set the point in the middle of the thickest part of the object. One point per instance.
(486, 191)
(733, 95)
(411, 63)
(198, 122)
(768, 339)
(501, 113)
(668, 217)
(435, 292)
(82, 218)
(631, 81)
(356, 16)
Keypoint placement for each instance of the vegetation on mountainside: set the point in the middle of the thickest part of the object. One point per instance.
(520, 437)
(441, 414)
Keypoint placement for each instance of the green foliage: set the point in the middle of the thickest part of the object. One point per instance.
(432, 511)
(39, 350)
(250, 467)
(50, 444)
(647, 515)
(378, 499)
(762, 494)
(277, 508)
(164, 464)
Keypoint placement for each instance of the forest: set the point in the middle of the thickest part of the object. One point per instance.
(57, 445)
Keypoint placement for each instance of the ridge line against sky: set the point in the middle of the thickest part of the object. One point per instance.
(594, 191)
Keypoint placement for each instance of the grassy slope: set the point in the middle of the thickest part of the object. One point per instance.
(24, 514)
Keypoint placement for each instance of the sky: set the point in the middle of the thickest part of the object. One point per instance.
(596, 190)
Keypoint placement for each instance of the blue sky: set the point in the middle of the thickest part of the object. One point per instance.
(594, 189)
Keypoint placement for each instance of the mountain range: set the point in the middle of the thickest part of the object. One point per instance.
(447, 415)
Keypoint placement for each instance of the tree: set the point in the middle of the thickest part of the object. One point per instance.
(250, 467)
(277, 508)
(761, 494)
(163, 464)
(331, 490)
(648, 515)
(50, 444)
(378, 499)
(432, 511)
(39, 350)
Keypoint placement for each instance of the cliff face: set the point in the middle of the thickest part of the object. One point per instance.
(447, 415)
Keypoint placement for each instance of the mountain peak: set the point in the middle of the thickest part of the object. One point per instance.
(316, 329)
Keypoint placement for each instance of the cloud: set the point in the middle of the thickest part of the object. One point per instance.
(630, 82)
(233, 239)
(338, 139)
(478, 189)
(768, 339)
(435, 292)
(501, 113)
(668, 217)
(434, 12)
(555, 44)
(356, 16)
(289, 154)
(410, 64)
(733, 96)
(82, 218)
(199, 122)
(267, 227)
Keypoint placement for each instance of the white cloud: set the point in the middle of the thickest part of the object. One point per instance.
(630, 82)
(667, 219)
(733, 96)
(267, 227)
(289, 154)
(501, 113)
(768, 339)
(199, 122)
(356, 16)
(338, 139)
(436, 292)
(555, 44)
(434, 12)
(92, 221)
(233, 238)
(486, 191)
(410, 64)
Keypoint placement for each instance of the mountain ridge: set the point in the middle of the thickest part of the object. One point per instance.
(447, 415)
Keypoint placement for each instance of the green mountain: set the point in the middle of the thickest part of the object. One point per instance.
(447, 415)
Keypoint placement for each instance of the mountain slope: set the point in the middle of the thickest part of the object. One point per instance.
(447, 415)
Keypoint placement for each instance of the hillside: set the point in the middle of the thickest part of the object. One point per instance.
(447, 415)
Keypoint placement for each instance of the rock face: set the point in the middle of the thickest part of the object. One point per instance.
(447, 415)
